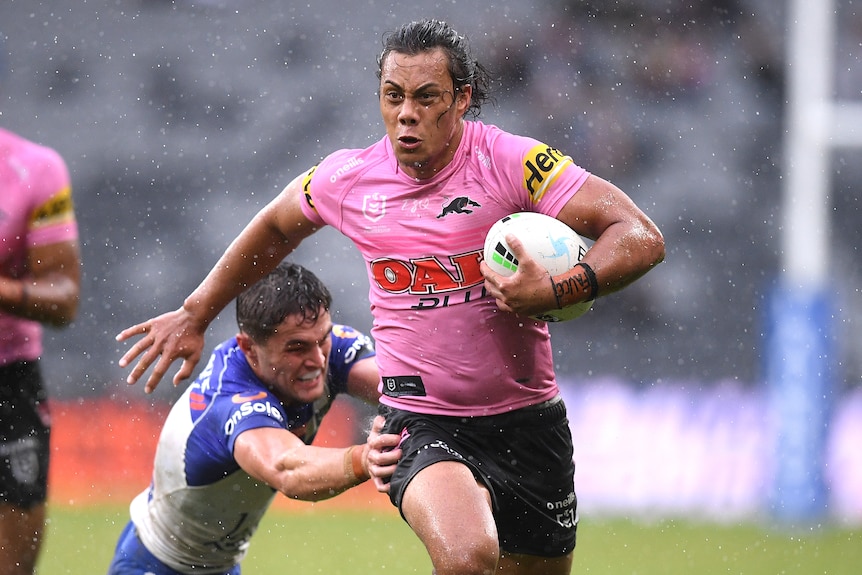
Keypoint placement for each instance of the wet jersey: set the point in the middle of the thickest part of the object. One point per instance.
(443, 346)
(35, 210)
(201, 509)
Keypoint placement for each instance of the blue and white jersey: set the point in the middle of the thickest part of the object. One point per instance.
(200, 503)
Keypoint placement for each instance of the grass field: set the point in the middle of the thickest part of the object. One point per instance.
(80, 541)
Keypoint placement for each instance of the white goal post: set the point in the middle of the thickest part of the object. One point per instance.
(801, 364)
(816, 124)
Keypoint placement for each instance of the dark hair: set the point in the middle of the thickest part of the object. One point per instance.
(421, 36)
(289, 289)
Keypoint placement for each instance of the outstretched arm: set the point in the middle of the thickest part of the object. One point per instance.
(270, 236)
(301, 471)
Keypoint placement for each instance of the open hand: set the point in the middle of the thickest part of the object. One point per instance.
(165, 338)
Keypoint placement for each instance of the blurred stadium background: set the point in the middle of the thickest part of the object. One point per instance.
(180, 119)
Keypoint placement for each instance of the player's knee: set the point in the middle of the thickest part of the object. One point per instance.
(470, 559)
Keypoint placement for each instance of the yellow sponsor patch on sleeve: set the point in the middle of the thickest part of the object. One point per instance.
(57, 209)
(306, 187)
(542, 165)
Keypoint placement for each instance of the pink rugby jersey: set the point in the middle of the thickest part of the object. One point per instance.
(35, 210)
(443, 347)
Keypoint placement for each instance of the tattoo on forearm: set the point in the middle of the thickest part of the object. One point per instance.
(572, 285)
(576, 284)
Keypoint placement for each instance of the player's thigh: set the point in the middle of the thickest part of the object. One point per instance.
(449, 510)
(514, 564)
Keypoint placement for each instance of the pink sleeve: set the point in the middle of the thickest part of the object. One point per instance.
(325, 185)
(53, 219)
(308, 206)
(546, 177)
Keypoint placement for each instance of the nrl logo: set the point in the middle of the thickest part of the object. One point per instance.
(374, 207)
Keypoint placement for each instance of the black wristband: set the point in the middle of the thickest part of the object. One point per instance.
(591, 277)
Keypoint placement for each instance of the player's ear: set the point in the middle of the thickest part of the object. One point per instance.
(246, 344)
(465, 96)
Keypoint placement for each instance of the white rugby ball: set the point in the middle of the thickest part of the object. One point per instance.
(553, 244)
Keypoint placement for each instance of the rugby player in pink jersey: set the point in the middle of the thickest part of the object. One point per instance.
(486, 480)
(39, 284)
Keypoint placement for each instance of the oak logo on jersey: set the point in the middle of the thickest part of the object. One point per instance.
(542, 165)
(460, 205)
(306, 187)
(443, 283)
(428, 275)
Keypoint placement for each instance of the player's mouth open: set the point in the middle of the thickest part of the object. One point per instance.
(409, 142)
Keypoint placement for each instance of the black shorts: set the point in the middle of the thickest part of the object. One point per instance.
(524, 458)
(25, 430)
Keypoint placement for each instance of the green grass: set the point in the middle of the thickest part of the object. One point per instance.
(81, 540)
(618, 546)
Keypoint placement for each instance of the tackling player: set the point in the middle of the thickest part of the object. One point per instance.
(243, 430)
